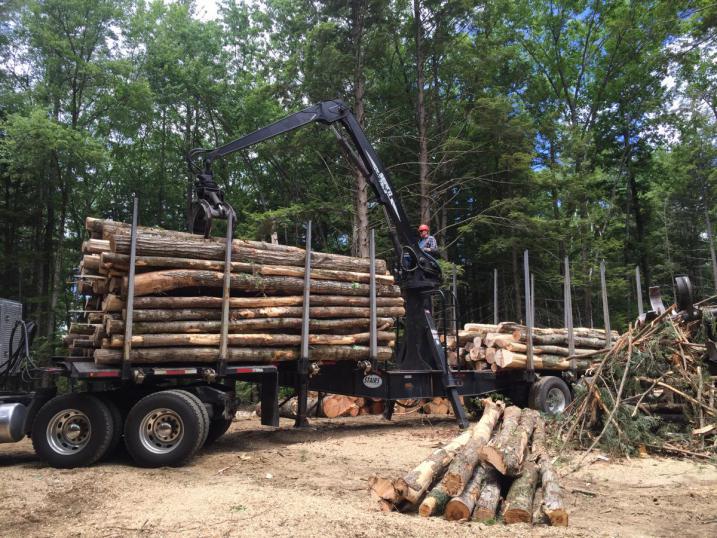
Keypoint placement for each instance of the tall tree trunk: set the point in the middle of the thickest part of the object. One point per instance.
(516, 285)
(421, 118)
(710, 239)
(358, 13)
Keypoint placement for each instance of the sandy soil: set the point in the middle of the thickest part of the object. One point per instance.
(257, 481)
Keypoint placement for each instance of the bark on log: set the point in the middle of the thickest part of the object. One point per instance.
(95, 246)
(435, 502)
(513, 361)
(121, 262)
(175, 279)
(464, 463)
(412, 486)
(461, 506)
(562, 340)
(241, 354)
(318, 312)
(113, 326)
(517, 347)
(114, 303)
(516, 450)
(511, 417)
(584, 332)
(248, 340)
(151, 245)
(487, 503)
(518, 506)
(82, 328)
(552, 505)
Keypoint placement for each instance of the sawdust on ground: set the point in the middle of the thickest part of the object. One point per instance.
(257, 481)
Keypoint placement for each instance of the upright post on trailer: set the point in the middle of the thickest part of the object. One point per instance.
(532, 297)
(638, 284)
(226, 294)
(373, 321)
(530, 370)
(567, 293)
(127, 347)
(495, 296)
(605, 307)
(455, 305)
(302, 374)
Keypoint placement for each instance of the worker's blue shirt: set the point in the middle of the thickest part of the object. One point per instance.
(428, 243)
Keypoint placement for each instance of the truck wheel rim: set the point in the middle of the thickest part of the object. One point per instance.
(161, 431)
(68, 432)
(555, 401)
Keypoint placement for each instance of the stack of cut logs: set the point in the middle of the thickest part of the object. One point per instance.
(464, 479)
(330, 406)
(177, 305)
(504, 347)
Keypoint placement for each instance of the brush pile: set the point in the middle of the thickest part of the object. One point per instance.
(177, 306)
(652, 392)
(504, 347)
(465, 479)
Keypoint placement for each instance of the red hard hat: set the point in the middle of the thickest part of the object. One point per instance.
(423, 227)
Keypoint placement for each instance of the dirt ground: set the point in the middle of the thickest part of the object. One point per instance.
(257, 481)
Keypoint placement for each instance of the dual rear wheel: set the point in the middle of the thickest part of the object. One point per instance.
(164, 428)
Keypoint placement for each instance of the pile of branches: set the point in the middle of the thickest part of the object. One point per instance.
(652, 392)
(496, 470)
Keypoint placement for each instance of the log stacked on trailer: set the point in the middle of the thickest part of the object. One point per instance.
(463, 480)
(505, 346)
(177, 305)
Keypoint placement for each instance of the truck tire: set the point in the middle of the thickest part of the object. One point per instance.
(549, 395)
(117, 425)
(72, 430)
(165, 428)
(217, 428)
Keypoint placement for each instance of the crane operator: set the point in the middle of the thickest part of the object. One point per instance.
(427, 242)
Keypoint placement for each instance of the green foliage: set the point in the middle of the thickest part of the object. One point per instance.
(549, 128)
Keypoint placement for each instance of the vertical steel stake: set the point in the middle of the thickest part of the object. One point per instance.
(605, 307)
(528, 312)
(127, 347)
(373, 333)
(495, 296)
(567, 293)
(226, 294)
(455, 305)
(638, 284)
(302, 378)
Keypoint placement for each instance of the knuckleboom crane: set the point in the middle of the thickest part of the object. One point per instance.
(418, 273)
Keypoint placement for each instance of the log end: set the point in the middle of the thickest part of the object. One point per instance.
(453, 484)
(457, 510)
(382, 489)
(558, 518)
(428, 506)
(517, 515)
(483, 515)
(492, 456)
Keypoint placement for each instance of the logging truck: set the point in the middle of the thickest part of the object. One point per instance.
(166, 411)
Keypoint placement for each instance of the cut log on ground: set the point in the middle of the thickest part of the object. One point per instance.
(492, 452)
(552, 505)
(412, 486)
(461, 507)
(486, 505)
(508, 457)
(518, 506)
(461, 468)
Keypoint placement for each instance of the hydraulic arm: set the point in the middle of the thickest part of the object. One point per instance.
(419, 275)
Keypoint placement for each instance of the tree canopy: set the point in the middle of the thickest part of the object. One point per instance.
(578, 128)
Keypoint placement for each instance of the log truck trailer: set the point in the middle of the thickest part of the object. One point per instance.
(166, 414)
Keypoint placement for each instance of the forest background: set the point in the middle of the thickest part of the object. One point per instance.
(579, 128)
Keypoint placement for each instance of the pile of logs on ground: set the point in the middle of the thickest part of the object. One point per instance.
(503, 453)
(330, 406)
(177, 305)
(504, 347)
